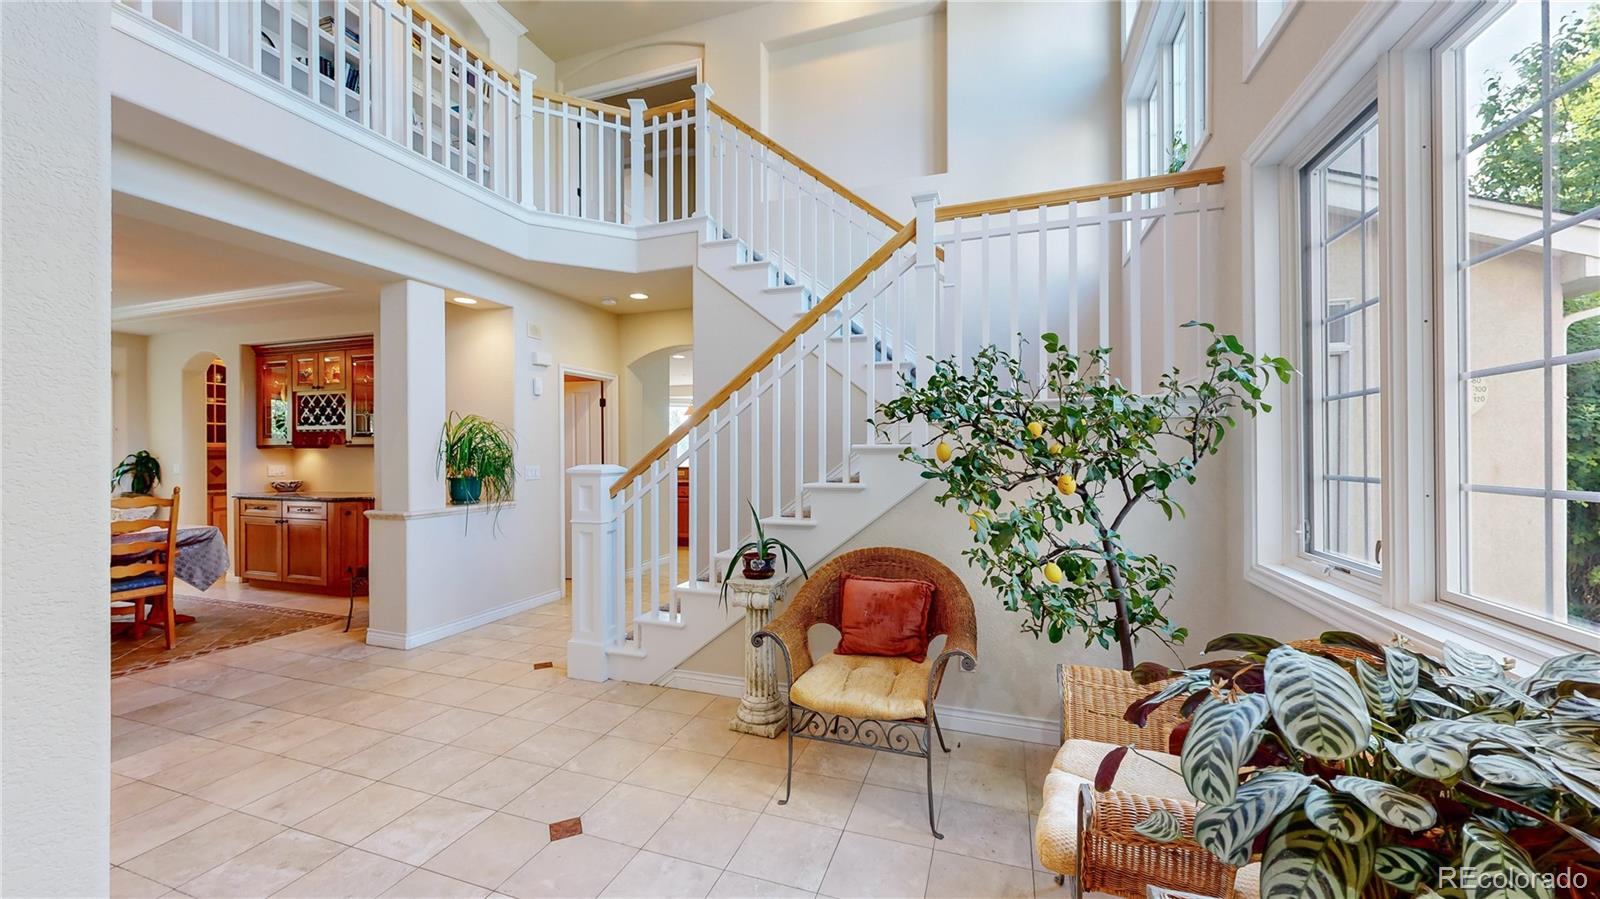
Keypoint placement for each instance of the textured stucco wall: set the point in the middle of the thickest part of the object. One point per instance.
(55, 399)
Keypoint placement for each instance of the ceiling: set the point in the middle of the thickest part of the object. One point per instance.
(151, 262)
(567, 28)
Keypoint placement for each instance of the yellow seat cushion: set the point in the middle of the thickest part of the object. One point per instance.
(1150, 774)
(882, 687)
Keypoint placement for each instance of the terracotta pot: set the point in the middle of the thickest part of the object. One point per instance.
(757, 568)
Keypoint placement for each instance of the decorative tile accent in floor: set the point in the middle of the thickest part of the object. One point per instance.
(315, 765)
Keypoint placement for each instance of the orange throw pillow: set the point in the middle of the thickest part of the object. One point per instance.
(883, 617)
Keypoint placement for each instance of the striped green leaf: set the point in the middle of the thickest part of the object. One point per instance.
(1228, 831)
(1433, 704)
(1464, 733)
(1394, 806)
(1509, 771)
(1579, 666)
(1426, 758)
(1339, 816)
(1161, 826)
(1500, 868)
(1462, 661)
(1381, 695)
(1488, 688)
(1243, 643)
(1401, 666)
(1405, 868)
(1221, 736)
(1318, 706)
(1302, 862)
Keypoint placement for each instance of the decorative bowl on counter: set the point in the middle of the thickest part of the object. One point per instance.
(286, 486)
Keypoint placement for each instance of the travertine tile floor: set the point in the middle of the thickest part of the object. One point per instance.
(315, 765)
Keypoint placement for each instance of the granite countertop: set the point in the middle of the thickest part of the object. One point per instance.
(323, 496)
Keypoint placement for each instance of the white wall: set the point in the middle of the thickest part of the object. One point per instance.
(55, 235)
(130, 410)
(1031, 90)
(642, 338)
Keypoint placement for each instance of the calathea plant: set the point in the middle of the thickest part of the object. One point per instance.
(1048, 469)
(1359, 770)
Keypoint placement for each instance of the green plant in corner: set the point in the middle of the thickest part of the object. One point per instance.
(1360, 770)
(1047, 471)
(479, 456)
(142, 470)
(758, 556)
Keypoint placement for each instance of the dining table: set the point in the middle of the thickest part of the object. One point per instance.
(201, 558)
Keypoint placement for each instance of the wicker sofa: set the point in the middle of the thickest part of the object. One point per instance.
(875, 702)
(1089, 835)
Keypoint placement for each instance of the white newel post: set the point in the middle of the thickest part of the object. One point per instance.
(702, 155)
(925, 312)
(761, 712)
(595, 622)
(525, 81)
(637, 124)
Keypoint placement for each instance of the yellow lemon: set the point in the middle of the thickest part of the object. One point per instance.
(1067, 484)
(1056, 448)
(1052, 572)
(972, 523)
(1035, 428)
(943, 451)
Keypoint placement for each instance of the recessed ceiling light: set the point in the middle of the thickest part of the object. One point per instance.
(608, 301)
(636, 295)
(677, 355)
(466, 301)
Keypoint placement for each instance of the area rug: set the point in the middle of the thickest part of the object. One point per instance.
(218, 624)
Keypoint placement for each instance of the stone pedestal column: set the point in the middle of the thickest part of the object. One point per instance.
(761, 712)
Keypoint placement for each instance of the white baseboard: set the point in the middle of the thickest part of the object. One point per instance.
(972, 721)
(394, 640)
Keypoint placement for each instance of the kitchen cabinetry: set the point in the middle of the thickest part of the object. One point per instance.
(305, 542)
(323, 393)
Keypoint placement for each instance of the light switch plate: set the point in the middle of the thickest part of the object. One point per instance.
(533, 472)
(538, 386)
(277, 471)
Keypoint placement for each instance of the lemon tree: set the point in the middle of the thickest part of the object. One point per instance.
(1048, 470)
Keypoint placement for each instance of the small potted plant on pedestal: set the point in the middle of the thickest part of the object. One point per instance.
(760, 556)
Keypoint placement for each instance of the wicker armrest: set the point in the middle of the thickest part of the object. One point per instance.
(1114, 858)
(1093, 701)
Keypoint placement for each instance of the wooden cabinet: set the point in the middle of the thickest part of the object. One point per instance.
(273, 400)
(287, 374)
(683, 507)
(309, 544)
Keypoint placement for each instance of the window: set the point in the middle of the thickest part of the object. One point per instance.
(1267, 14)
(1520, 441)
(1343, 441)
(1165, 104)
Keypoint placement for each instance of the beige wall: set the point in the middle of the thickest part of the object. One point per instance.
(130, 390)
(642, 341)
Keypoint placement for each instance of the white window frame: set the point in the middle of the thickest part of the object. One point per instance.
(1451, 139)
(1256, 50)
(1147, 73)
(1387, 52)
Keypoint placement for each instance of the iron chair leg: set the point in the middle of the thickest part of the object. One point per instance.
(936, 729)
(788, 777)
(933, 825)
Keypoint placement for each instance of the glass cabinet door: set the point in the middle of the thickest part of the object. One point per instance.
(363, 374)
(332, 371)
(272, 391)
(307, 368)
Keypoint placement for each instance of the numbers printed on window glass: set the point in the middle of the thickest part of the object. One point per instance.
(1342, 450)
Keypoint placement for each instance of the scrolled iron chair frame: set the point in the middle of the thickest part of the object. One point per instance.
(899, 736)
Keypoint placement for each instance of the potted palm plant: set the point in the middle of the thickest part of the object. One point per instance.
(141, 469)
(478, 456)
(760, 556)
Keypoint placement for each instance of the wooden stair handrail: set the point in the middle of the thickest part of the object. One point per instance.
(669, 108)
(803, 166)
(812, 316)
(1110, 190)
(903, 235)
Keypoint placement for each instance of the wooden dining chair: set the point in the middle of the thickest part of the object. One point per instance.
(142, 567)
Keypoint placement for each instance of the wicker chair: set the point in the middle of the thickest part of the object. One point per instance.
(874, 702)
(1089, 834)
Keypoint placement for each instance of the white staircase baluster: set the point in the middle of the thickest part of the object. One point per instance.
(1042, 295)
(1169, 326)
(637, 125)
(1107, 244)
(1134, 368)
(1014, 324)
(1072, 277)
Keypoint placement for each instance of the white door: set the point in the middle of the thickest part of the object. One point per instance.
(583, 443)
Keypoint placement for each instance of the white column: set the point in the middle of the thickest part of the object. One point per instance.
(525, 81)
(702, 154)
(637, 122)
(596, 623)
(410, 413)
(55, 398)
(924, 311)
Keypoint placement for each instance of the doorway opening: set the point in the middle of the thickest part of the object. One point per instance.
(587, 438)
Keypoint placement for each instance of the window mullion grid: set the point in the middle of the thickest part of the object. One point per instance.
(1547, 122)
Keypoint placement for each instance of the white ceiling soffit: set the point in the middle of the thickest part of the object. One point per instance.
(267, 295)
(567, 28)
